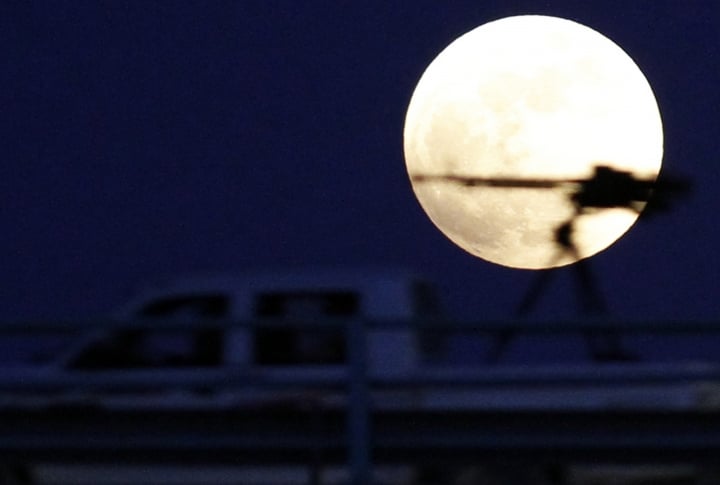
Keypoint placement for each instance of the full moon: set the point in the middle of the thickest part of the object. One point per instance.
(529, 97)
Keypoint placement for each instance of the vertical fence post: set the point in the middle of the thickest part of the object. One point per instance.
(358, 412)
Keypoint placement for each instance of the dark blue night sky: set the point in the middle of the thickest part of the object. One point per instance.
(142, 139)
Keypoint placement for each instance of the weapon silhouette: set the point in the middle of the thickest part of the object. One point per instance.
(607, 188)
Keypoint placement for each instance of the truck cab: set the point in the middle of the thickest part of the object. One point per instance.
(284, 300)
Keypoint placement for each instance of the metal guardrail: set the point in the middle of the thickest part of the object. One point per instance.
(555, 326)
(354, 377)
(356, 331)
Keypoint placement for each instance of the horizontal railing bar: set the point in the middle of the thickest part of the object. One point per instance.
(524, 326)
(337, 377)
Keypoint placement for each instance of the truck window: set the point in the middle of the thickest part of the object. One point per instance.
(425, 300)
(433, 342)
(210, 306)
(147, 348)
(293, 344)
(167, 347)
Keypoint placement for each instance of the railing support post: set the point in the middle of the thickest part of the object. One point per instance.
(358, 411)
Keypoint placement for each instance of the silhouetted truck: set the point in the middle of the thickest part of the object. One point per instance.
(302, 299)
(243, 340)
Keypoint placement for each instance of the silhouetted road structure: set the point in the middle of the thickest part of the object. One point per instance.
(299, 436)
(339, 414)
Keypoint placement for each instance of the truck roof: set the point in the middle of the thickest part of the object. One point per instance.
(385, 292)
